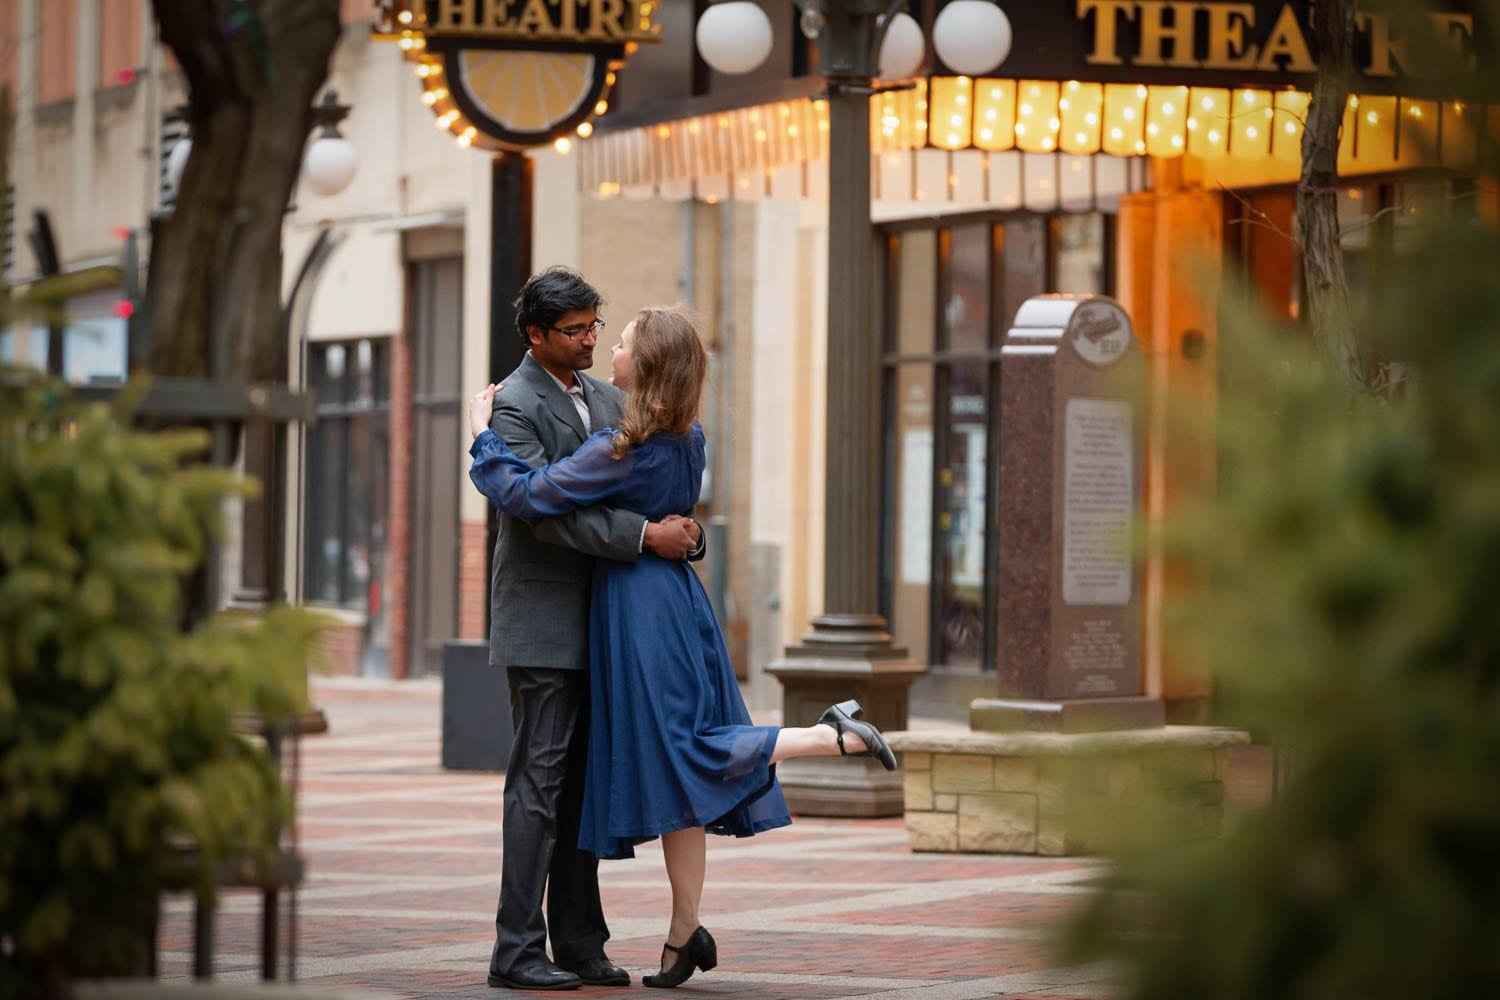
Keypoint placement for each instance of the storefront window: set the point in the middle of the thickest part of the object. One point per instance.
(968, 264)
(347, 469)
(94, 344)
(1358, 222)
(1378, 225)
(952, 294)
(26, 347)
(916, 294)
(94, 340)
(1023, 267)
(966, 309)
(962, 480)
(1080, 253)
(908, 554)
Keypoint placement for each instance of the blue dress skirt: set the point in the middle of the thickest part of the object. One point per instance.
(671, 745)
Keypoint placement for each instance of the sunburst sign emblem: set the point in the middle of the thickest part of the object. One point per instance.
(514, 74)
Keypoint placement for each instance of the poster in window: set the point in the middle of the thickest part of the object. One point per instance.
(916, 506)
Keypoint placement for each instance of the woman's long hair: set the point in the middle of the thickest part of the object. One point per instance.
(668, 368)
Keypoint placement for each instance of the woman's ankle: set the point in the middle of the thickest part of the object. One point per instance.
(852, 743)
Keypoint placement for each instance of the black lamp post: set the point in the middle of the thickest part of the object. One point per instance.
(848, 652)
(328, 166)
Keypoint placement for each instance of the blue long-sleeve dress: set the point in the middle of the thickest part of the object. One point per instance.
(671, 745)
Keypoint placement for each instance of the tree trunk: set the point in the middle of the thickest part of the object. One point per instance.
(5, 140)
(1318, 231)
(253, 69)
(7, 137)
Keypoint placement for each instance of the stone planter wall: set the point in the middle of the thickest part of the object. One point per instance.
(1051, 793)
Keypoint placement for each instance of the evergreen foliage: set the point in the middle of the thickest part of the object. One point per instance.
(116, 735)
(1352, 612)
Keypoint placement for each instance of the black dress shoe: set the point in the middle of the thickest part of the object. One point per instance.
(844, 717)
(599, 972)
(542, 976)
(700, 952)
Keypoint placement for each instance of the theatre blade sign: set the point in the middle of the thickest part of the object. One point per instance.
(514, 74)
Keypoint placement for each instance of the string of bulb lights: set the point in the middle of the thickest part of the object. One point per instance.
(956, 113)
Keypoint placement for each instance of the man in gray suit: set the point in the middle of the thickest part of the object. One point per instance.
(539, 600)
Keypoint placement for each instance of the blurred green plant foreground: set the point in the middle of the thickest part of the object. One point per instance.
(1350, 611)
(117, 746)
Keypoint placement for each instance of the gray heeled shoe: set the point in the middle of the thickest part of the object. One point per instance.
(845, 717)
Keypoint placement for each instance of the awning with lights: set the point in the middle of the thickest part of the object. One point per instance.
(1008, 127)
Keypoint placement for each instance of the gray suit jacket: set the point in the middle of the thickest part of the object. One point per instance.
(539, 593)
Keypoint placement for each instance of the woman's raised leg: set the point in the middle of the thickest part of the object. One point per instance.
(839, 731)
(812, 741)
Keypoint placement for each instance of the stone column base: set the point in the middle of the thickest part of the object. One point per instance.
(1057, 793)
(846, 657)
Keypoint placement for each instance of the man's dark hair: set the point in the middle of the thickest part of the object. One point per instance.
(546, 296)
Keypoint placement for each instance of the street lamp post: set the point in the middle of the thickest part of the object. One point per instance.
(848, 652)
(850, 54)
(327, 168)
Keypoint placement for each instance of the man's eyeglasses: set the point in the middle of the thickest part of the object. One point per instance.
(574, 332)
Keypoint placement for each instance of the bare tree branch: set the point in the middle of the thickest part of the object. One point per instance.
(1260, 218)
(1370, 220)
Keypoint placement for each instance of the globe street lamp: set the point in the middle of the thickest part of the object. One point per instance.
(330, 162)
(904, 49)
(734, 37)
(328, 165)
(971, 37)
(848, 650)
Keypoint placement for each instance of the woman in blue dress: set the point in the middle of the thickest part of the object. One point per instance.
(672, 750)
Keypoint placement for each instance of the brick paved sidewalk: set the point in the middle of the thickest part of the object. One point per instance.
(404, 862)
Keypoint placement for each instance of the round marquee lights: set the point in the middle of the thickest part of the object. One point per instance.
(499, 77)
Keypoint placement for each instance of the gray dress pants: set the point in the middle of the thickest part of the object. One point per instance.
(543, 805)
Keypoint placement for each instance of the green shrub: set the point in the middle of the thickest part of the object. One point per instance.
(116, 736)
(1352, 612)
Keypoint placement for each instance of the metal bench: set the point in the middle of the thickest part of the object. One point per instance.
(282, 874)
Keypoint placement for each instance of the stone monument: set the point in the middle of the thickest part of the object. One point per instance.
(1072, 747)
(1071, 432)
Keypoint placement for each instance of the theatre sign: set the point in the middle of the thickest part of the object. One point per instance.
(514, 74)
(1265, 43)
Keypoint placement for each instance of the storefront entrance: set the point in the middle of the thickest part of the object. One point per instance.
(952, 287)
